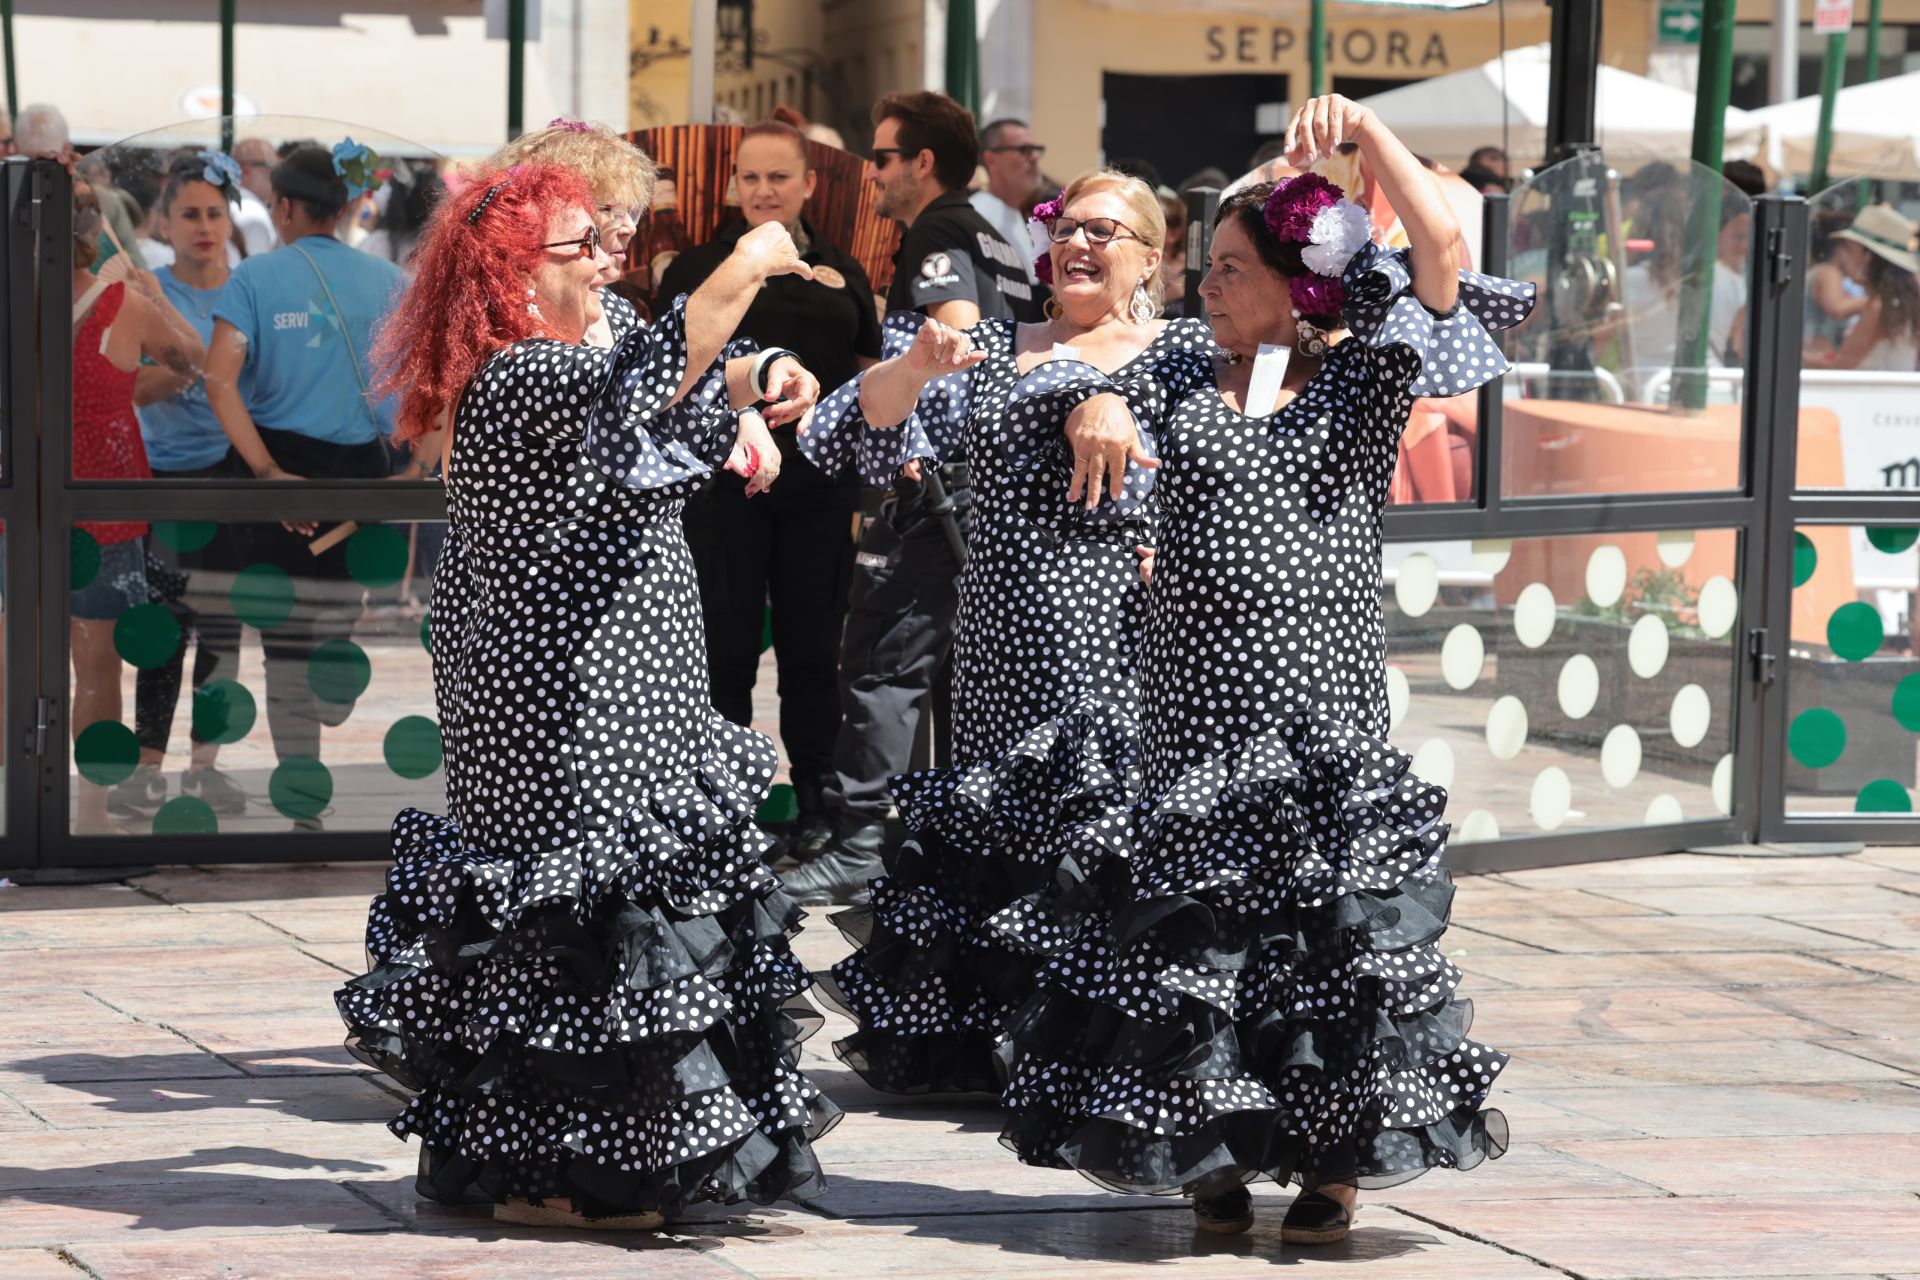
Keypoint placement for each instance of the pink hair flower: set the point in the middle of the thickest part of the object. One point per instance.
(1317, 296)
(1295, 203)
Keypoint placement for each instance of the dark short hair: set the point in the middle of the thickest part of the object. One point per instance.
(934, 122)
(306, 177)
(996, 129)
(1484, 155)
(190, 168)
(1248, 207)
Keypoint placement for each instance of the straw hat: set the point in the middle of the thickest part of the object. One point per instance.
(1880, 229)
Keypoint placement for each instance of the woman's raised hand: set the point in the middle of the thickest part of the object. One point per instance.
(792, 393)
(1321, 125)
(771, 252)
(1104, 439)
(938, 350)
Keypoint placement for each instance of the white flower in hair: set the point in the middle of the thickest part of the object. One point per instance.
(1037, 233)
(1339, 231)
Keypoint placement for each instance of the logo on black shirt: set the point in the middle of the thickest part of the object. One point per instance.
(937, 268)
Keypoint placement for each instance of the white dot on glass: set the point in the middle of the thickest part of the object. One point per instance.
(1462, 655)
(1675, 547)
(1647, 645)
(1399, 697)
(1606, 575)
(1506, 727)
(1663, 809)
(1579, 686)
(1476, 826)
(1490, 555)
(1533, 615)
(1551, 800)
(1723, 784)
(1433, 762)
(1620, 756)
(1690, 716)
(1719, 606)
(1417, 585)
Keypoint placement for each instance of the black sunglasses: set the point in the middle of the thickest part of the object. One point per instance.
(589, 243)
(1031, 150)
(883, 156)
(1099, 230)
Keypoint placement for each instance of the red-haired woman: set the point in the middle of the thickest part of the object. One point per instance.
(584, 972)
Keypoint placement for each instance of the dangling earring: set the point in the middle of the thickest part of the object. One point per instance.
(533, 308)
(1310, 339)
(1141, 308)
(1051, 308)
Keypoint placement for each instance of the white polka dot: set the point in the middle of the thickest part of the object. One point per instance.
(1534, 615)
(1417, 585)
(1675, 547)
(1462, 656)
(1490, 555)
(1551, 800)
(1620, 756)
(1434, 762)
(1579, 686)
(1690, 716)
(1606, 575)
(1719, 606)
(1723, 784)
(1506, 727)
(1647, 645)
(1662, 810)
(1399, 697)
(1477, 826)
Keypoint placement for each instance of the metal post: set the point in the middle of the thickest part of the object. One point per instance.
(1574, 68)
(1202, 204)
(1785, 80)
(228, 17)
(6, 31)
(1496, 227)
(516, 66)
(1317, 48)
(1832, 72)
(1873, 43)
(1703, 213)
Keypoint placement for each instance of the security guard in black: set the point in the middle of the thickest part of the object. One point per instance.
(952, 254)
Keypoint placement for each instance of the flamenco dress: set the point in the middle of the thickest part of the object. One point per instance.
(1263, 995)
(1051, 607)
(583, 973)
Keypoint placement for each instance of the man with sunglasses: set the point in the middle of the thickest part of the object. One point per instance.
(1012, 160)
(954, 267)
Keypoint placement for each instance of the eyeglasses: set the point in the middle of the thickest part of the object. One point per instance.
(615, 213)
(1099, 230)
(589, 243)
(1027, 150)
(883, 156)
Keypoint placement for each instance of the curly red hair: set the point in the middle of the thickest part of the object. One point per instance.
(468, 298)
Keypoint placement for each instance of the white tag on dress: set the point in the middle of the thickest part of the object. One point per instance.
(1269, 371)
(1061, 351)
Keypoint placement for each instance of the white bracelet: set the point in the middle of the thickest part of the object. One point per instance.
(757, 373)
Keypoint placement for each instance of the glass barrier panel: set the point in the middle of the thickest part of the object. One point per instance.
(1853, 677)
(242, 677)
(1859, 422)
(1570, 682)
(1627, 375)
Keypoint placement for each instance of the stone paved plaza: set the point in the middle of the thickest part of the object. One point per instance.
(1717, 1073)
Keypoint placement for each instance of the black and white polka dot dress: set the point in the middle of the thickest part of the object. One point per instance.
(1266, 996)
(1051, 607)
(584, 972)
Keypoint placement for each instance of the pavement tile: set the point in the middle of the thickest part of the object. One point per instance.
(1749, 1165)
(198, 1104)
(309, 925)
(1487, 941)
(111, 1048)
(1907, 860)
(1477, 896)
(485, 1253)
(210, 1207)
(1904, 965)
(36, 1264)
(1696, 969)
(71, 897)
(158, 1002)
(16, 1119)
(1888, 1010)
(153, 925)
(1901, 1054)
(1528, 1171)
(349, 959)
(49, 1159)
(1690, 869)
(87, 967)
(1808, 1235)
(274, 1046)
(347, 885)
(1666, 934)
(1900, 932)
(1715, 1111)
(1729, 1063)
(1786, 901)
(54, 1010)
(1513, 1019)
(1538, 1115)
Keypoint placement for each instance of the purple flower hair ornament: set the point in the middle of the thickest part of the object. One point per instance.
(1039, 231)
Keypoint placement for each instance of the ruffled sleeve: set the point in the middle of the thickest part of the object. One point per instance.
(1451, 353)
(840, 441)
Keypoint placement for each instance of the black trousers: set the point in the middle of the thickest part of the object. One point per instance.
(197, 591)
(327, 600)
(784, 557)
(899, 632)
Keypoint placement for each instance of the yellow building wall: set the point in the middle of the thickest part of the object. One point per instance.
(662, 70)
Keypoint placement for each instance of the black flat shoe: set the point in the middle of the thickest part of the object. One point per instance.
(1227, 1214)
(1316, 1219)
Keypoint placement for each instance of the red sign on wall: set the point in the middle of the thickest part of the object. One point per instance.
(1832, 17)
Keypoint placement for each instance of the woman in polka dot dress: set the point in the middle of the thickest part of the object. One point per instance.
(584, 973)
(1050, 612)
(1266, 997)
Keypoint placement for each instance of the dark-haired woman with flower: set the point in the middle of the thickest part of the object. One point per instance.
(1265, 996)
(583, 972)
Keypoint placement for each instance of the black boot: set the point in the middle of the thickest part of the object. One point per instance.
(813, 827)
(838, 877)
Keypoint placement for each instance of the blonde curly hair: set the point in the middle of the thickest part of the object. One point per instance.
(619, 173)
(1148, 221)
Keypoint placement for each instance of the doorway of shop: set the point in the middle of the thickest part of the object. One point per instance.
(1182, 124)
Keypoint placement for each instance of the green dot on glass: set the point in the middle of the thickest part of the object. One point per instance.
(105, 753)
(301, 787)
(185, 816)
(146, 635)
(377, 556)
(1854, 632)
(1816, 738)
(262, 595)
(1805, 559)
(1906, 702)
(83, 558)
(223, 711)
(339, 671)
(1883, 795)
(1892, 538)
(426, 632)
(185, 535)
(779, 806)
(413, 746)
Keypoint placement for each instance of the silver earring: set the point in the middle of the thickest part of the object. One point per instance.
(1141, 308)
(1310, 339)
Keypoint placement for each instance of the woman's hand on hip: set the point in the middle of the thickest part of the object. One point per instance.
(1104, 438)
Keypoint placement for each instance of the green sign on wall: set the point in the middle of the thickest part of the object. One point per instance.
(1680, 21)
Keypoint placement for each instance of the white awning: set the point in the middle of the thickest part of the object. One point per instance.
(1876, 130)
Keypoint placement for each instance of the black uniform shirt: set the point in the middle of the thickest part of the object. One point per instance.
(950, 254)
